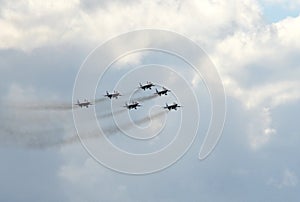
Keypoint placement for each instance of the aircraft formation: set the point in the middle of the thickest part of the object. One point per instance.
(135, 104)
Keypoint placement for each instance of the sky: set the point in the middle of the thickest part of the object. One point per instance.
(253, 45)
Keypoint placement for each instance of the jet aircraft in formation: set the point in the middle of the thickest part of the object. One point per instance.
(164, 91)
(85, 103)
(148, 85)
(172, 106)
(134, 104)
(114, 94)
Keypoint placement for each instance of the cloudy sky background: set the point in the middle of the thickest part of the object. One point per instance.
(253, 44)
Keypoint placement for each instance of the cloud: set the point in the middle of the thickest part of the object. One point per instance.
(260, 130)
(258, 63)
(81, 179)
(289, 179)
(31, 24)
(263, 44)
(270, 94)
(259, 69)
(258, 102)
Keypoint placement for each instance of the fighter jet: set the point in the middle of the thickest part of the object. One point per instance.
(173, 106)
(133, 105)
(164, 91)
(85, 103)
(115, 95)
(148, 85)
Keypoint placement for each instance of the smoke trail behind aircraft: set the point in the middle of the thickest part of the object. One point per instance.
(93, 134)
(43, 106)
(110, 114)
(28, 137)
(110, 130)
(98, 100)
(48, 106)
(41, 129)
(149, 118)
(145, 98)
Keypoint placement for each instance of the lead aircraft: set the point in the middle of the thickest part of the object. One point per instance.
(148, 85)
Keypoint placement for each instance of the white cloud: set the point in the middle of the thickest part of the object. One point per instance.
(243, 59)
(233, 32)
(288, 179)
(288, 32)
(264, 44)
(271, 94)
(260, 129)
(31, 24)
(258, 102)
